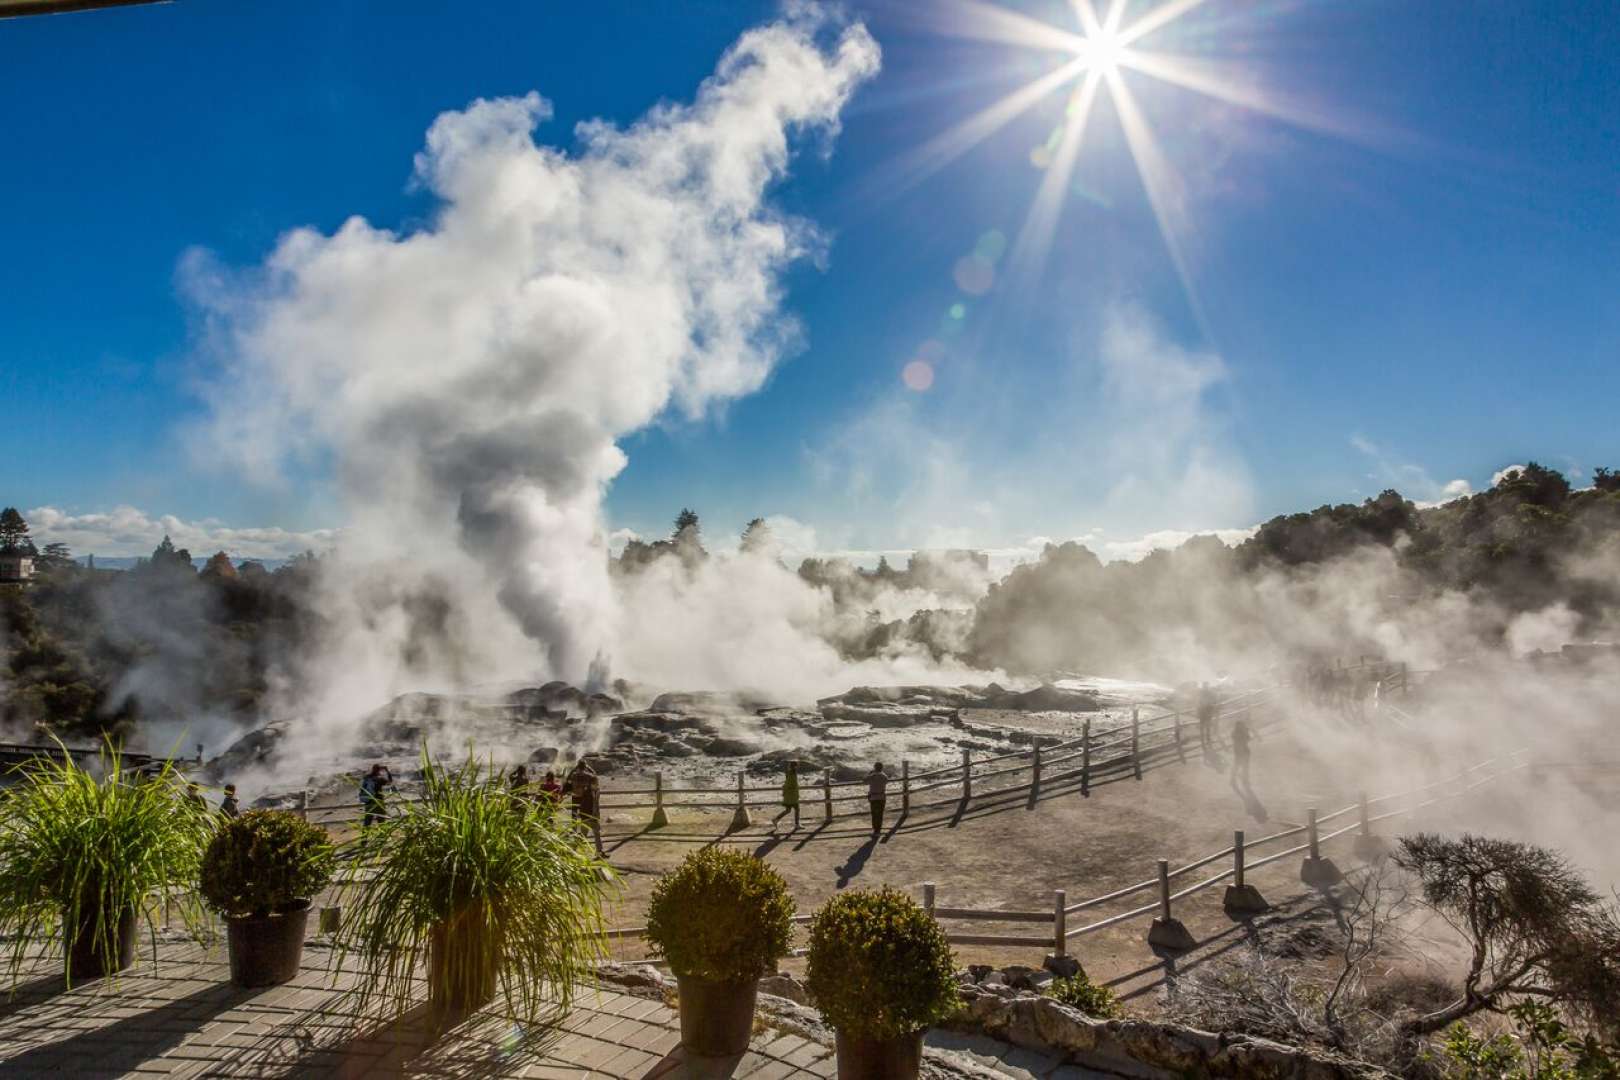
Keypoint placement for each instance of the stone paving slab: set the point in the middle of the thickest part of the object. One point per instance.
(182, 1018)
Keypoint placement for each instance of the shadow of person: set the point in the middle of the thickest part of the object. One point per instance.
(856, 862)
(768, 845)
(1251, 802)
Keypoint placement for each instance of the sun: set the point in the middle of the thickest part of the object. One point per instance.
(1098, 56)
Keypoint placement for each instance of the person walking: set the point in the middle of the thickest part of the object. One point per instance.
(1206, 717)
(790, 793)
(586, 792)
(1240, 751)
(194, 797)
(371, 795)
(228, 805)
(877, 793)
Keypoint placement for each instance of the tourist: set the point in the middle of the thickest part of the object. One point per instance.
(1206, 717)
(790, 793)
(877, 792)
(550, 791)
(194, 797)
(371, 795)
(586, 792)
(228, 805)
(519, 782)
(1240, 751)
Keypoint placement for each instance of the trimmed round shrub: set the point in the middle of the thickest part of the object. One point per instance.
(880, 967)
(265, 862)
(721, 915)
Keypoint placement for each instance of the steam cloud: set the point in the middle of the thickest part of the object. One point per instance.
(469, 381)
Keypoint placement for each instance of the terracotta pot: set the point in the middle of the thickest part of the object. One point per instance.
(899, 1058)
(717, 1018)
(266, 949)
(461, 975)
(91, 957)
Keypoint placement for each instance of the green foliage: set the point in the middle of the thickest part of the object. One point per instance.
(1081, 993)
(1542, 1048)
(13, 531)
(77, 851)
(517, 890)
(722, 915)
(265, 862)
(879, 965)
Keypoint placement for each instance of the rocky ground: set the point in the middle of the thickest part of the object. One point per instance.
(701, 738)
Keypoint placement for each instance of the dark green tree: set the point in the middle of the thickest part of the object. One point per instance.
(13, 531)
(686, 519)
(56, 556)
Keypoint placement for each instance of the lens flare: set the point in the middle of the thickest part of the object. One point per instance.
(1094, 63)
(918, 375)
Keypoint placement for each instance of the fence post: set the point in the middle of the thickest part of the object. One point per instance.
(1060, 925)
(659, 818)
(1241, 898)
(1316, 871)
(967, 774)
(1181, 753)
(1366, 846)
(1404, 688)
(1085, 759)
(1167, 932)
(905, 786)
(1136, 742)
(303, 804)
(826, 793)
(928, 898)
(741, 820)
(1036, 783)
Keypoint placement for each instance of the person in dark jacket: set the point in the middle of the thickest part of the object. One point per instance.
(372, 786)
(228, 804)
(877, 793)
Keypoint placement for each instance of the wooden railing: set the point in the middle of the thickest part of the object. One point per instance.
(1091, 758)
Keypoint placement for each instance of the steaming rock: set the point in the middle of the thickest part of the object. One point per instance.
(724, 747)
(711, 702)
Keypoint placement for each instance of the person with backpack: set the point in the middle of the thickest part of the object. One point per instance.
(372, 786)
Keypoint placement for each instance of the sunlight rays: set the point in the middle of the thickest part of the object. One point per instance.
(1100, 57)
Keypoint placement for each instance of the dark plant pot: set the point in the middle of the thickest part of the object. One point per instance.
(462, 975)
(266, 949)
(717, 1018)
(899, 1058)
(88, 956)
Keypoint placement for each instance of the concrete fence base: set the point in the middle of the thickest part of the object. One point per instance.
(1244, 900)
(1320, 872)
(1171, 934)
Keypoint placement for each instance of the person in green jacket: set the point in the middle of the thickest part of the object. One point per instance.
(790, 793)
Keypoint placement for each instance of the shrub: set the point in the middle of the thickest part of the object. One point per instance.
(517, 891)
(77, 851)
(1078, 991)
(265, 862)
(879, 965)
(721, 915)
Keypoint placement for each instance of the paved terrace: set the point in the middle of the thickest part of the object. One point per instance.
(182, 1017)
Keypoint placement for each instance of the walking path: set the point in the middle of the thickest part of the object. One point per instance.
(183, 1018)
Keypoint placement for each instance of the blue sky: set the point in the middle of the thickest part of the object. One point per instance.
(1425, 301)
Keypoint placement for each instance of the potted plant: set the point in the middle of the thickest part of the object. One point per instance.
(721, 920)
(881, 974)
(82, 855)
(490, 892)
(259, 872)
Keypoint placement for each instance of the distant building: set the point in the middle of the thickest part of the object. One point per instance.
(15, 566)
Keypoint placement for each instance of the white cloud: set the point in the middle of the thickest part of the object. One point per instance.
(126, 531)
(1412, 481)
(1167, 540)
(1501, 474)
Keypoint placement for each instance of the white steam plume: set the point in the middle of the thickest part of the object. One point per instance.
(469, 381)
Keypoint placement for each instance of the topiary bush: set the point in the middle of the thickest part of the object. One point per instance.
(1078, 991)
(721, 915)
(264, 863)
(880, 967)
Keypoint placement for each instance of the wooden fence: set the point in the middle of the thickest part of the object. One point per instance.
(1093, 757)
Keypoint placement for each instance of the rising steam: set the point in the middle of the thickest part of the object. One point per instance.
(469, 381)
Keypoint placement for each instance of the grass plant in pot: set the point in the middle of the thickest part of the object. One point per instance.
(881, 973)
(83, 857)
(495, 895)
(260, 872)
(720, 920)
